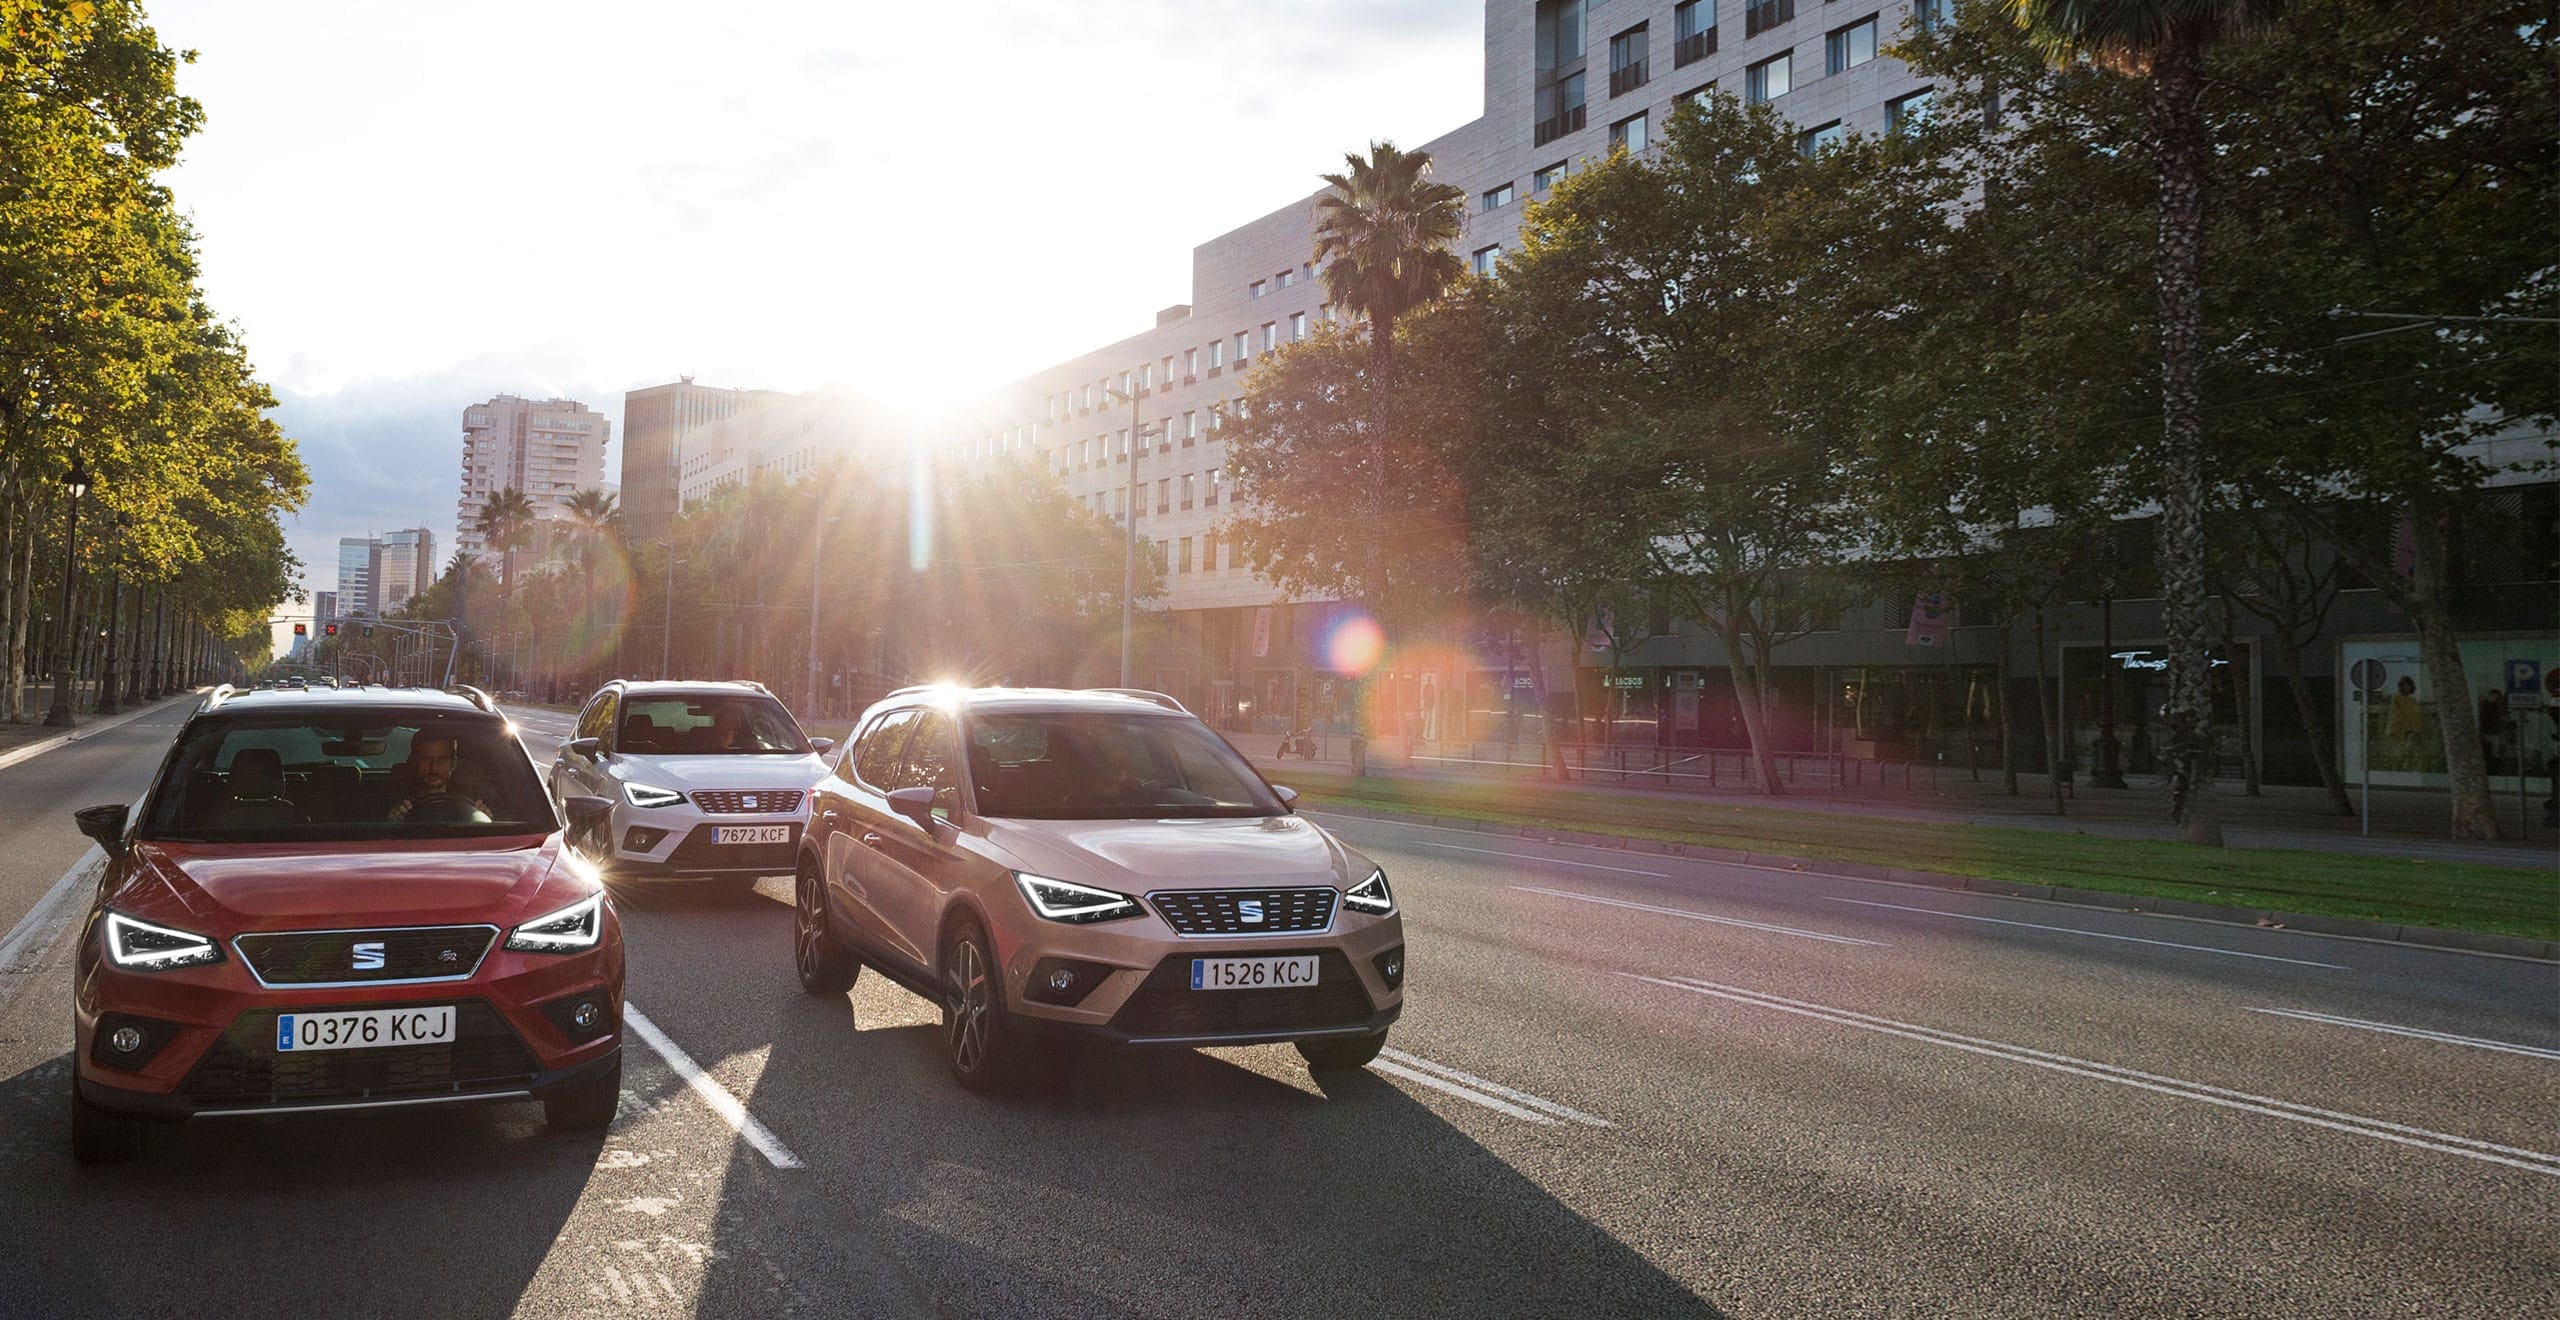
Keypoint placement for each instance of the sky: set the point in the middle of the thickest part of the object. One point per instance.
(409, 208)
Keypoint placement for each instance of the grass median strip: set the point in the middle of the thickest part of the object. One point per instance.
(2450, 895)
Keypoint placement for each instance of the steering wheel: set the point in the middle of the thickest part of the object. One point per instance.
(446, 809)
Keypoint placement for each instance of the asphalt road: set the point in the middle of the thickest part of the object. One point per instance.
(1623, 1085)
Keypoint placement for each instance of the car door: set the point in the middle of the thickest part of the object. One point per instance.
(567, 780)
(853, 806)
(587, 772)
(908, 873)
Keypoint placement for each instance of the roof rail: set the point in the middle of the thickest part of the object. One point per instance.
(475, 696)
(220, 695)
(1142, 694)
(914, 688)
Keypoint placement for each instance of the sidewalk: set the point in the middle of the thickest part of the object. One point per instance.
(2406, 822)
(14, 737)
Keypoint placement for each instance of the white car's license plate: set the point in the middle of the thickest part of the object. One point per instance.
(1253, 973)
(363, 1029)
(751, 834)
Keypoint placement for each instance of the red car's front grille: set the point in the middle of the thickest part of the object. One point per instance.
(244, 1068)
(325, 957)
(763, 801)
(1166, 1005)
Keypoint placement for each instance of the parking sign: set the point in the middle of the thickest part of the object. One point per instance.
(2524, 684)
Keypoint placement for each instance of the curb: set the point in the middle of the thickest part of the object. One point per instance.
(33, 750)
(2436, 938)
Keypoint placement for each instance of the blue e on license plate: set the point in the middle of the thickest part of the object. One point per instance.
(364, 1029)
(1274, 973)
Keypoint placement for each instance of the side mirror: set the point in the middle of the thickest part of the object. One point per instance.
(589, 817)
(822, 746)
(104, 825)
(586, 747)
(916, 804)
(1288, 796)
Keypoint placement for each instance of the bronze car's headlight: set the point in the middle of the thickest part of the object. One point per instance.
(1371, 895)
(139, 946)
(1060, 900)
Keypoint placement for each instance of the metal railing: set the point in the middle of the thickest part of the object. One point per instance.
(1557, 125)
(1693, 48)
(1626, 78)
(1700, 769)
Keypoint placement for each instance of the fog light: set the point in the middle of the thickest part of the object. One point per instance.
(586, 1015)
(640, 838)
(1064, 981)
(1390, 967)
(125, 1040)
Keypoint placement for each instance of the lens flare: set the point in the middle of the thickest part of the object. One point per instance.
(1355, 645)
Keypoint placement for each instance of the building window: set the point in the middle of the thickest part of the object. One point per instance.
(1697, 96)
(1123, 455)
(1270, 336)
(1182, 561)
(1217, 354)
(1190, 428)
(1297, 326)
(1627, 62)
(1497, 198)
(1562, 110)
(1281, 280)
(1240, 341)
(1847, 48)
(1930, 15)
(1487, 258)
(1164, 494)
(1814, 141)
(1186, 490)
(1628, 133)
(1560, 65)
(1256, 289)
(1909, 111)
(1547, 177)
(1693, 30)
(1190, 363)
(1760, 17)
(1209, 496)
(1769, 79)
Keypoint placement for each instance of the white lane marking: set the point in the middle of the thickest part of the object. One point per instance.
(2092, 934)
(2532, 1161)
(45, 920)
(2415, 1033)
(1541, 861)
(1495, 1088)
(712, 1092)
(1701, 916)
(1463, 1093)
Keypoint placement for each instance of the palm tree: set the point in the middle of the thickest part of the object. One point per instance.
(504, 523)
(1384, 245)
(2165, 41)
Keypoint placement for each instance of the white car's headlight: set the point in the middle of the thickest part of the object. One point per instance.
(139, 946)
(577, 926)
(1059, 900)
(1371, 895)
(644, 795)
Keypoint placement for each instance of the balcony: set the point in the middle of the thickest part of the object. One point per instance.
(1627, 77)
(1549, 129)
(1692, 49)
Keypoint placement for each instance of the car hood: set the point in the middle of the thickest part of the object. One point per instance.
(687, 773)
(235, 887)
(1142, 855)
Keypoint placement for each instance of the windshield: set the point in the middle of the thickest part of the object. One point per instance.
(347, 775)
(1109, 766)
(708, 726)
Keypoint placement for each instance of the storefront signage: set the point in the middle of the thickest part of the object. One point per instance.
(1626, 680)
(2153, 660)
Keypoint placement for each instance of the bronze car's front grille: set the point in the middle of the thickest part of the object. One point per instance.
(1245, 911)
(1166, 1005)
(324, 957)
(762, 801)
(244, 1068)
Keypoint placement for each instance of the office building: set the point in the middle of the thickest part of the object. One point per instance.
(549, 449)
(324, 606)
(789, 436)
(407, 567)
(359, 566)
(655, 423)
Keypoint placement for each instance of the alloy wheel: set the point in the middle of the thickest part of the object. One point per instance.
(969, 1003)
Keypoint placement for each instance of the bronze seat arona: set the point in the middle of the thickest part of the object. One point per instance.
(1061, 866)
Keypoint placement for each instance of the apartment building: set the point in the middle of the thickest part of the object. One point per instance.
(550, 449)
(655, 422)
(784, 435)
(1132, 429)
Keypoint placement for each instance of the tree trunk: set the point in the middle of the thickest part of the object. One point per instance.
(2466, 766)
(2048, 708)
(2322, 754)
(1746, 694)
(2178, 133)
(19, 706)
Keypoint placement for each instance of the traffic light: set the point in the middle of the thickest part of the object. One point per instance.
(302, 630)
(331, 630)
(368, 630)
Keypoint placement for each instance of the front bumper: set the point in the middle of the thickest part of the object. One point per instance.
(677, 843)
(1146, 998)
(179, 1108)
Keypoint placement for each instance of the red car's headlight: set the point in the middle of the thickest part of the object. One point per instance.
(139, 946)
(569, 930)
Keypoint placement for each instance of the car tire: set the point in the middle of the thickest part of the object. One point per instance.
(587, 1107)
(977, 1039)
(1341, 1053)
(823, 965)
(100, 1137)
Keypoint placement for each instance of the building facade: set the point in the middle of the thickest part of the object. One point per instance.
(655, 422)
(407, 567)
(550, 449)
(359, 565)
(324, 605)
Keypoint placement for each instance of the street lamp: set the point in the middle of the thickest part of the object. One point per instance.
(77, 482)
(1129, 555)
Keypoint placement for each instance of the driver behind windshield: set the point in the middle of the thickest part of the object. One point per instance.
(435, 769)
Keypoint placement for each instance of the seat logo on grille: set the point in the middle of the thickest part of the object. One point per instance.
(1249, 909)
(750, 801)
(368, 956)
